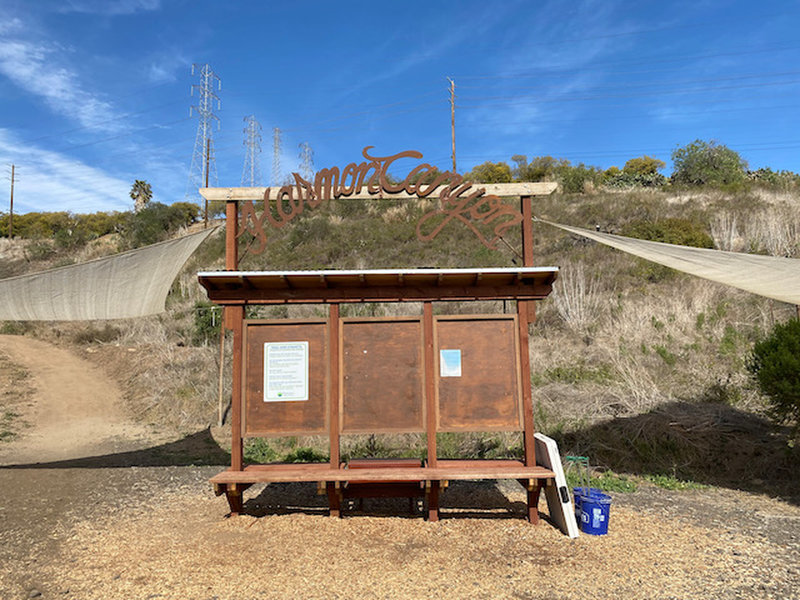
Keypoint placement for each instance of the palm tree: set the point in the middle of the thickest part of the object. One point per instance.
(141, 193)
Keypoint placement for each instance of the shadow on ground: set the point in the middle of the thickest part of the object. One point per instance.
(460, 500)
(199, 449)
(703, 442)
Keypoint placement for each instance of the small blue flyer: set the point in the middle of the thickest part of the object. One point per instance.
(450, 363)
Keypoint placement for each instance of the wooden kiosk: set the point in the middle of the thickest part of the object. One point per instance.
(421, 373)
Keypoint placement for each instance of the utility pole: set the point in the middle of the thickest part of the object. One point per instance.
(453, 119)
(11, 207)
(251, 174)
(208, 159)
(276, 156)
(202, 163)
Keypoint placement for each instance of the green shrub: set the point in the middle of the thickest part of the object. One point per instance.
(643, 165)
(708, 163)
(782, 180)
(94, 335)
(667, 356)
(575, 179)
(775, 365)
(259, 451)
(305, 454)
(490, 172)
(671, 482)
(670, 231)
(608, 481)
(156, 223)
(630, 180)
(207, 323)
(15, 327)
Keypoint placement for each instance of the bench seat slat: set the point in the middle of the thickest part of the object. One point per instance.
(464, 471)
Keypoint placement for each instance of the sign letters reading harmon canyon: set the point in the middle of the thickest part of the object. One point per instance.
(485, 215)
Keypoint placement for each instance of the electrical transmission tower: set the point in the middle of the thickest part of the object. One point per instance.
(251, 175)
(203, 166)
(276, 156)
(306, 161)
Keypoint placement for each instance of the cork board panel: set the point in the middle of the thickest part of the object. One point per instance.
(482, 392)
(305, 417)
(382, 376)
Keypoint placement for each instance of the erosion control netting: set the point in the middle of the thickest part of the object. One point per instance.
(770, 276)
(129, 284)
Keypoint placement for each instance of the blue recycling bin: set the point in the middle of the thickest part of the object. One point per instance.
(595, 510)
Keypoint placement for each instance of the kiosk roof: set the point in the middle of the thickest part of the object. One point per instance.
(378, 285)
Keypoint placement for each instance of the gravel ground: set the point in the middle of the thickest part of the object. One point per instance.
(158, 532)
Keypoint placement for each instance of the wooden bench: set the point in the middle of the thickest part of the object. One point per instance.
(232, 483)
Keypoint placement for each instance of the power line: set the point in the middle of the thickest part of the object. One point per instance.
(669, 83)
(276, 156)
(512, 99)
(650, 61)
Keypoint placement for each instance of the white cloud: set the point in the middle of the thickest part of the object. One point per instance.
(31, 66)
(165, 67)
(12, 25)
(109, 7)
(50, 181)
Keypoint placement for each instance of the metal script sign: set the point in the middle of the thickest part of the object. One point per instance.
(485, 215)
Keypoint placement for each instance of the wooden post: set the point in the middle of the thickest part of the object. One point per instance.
(231, 233)
(527, 247)
(430, 383)
(527, 405)
(234, 320)
(237, 450)
(333, 392)
(526, 314)
(334, 499)
(527, 400)
(430, 406)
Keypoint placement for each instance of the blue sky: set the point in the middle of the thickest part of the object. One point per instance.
(95, 94)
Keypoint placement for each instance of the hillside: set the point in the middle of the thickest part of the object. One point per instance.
(637, 366)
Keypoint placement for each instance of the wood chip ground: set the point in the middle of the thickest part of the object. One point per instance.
(168, 538)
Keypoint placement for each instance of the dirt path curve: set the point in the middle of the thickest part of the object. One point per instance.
(77, 409)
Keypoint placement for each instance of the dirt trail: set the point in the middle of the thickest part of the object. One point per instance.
(77, 410)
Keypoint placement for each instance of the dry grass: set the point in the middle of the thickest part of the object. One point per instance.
(576, 296)
(15, 394)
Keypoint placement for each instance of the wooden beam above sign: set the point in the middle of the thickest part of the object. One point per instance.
(528, 188)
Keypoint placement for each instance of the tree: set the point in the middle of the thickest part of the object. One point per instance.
(141, 194)
(775, 365)
(708, 163)
(644, 165)
(541, 168)
(490, 172)
(521, 162)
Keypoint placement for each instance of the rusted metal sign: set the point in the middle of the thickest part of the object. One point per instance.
(485, 215)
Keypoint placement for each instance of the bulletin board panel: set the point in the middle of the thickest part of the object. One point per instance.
(478, 376)
(383, 375)
(265, 413)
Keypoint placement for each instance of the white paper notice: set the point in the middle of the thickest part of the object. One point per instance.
(449, 363)
(285, 371)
